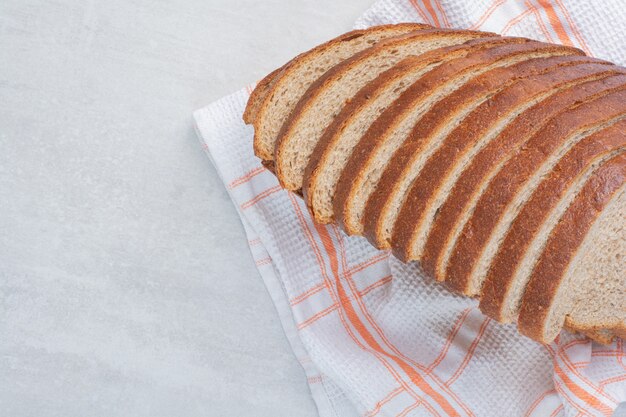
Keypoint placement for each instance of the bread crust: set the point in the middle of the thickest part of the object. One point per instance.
(532, 78)
(499, 281)
(363, 156)
(565, 240)
(512, 178)
(333, 132)
(260, 92)
(602, 336)
(512, 137)
(388, 187)
(264, 87)
(258, 103)
(321, 84)
(604, 333)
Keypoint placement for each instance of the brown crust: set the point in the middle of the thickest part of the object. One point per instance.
(333, 131)
(602, 336)
(536, 210)
(257, 101)
(269, 165)
(564, 242)
(513, 136)
(362, 156)
(545, 77)
(599, 334)
(260, 92)
(513, 176)
(263, 87)
(619, 329)
(323, 82)
(379, 201)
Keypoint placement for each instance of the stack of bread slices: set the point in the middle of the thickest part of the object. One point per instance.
(497, 163)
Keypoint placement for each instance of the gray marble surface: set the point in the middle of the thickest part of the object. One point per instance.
(126, 284)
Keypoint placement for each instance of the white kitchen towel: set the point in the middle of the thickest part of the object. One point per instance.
(373, 335)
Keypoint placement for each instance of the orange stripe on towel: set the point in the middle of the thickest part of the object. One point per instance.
(555, 22)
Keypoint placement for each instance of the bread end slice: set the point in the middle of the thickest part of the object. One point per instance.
(581, 276)
(602, 268)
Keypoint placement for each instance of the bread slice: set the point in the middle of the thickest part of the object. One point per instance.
(276, 95)
(603, 266)
(325, 98)
(365, 166)
(529, 232)
(614, 315)
(607, 309)
(461, 202)
(581, 275)
(515, 182)
(260, 92)
(401, 167)
(461, 139)
(340, 137)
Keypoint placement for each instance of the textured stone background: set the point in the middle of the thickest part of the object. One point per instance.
(126, 285)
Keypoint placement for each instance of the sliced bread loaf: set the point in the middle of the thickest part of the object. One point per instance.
(607, 267)
(539, 130)
(325, 97)
(503, 98)
(581, 276)
(515, 182)
(529, 232)
(369, 158)
(340, 137)
(276, 95)
(461, 201)
(405, 163)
